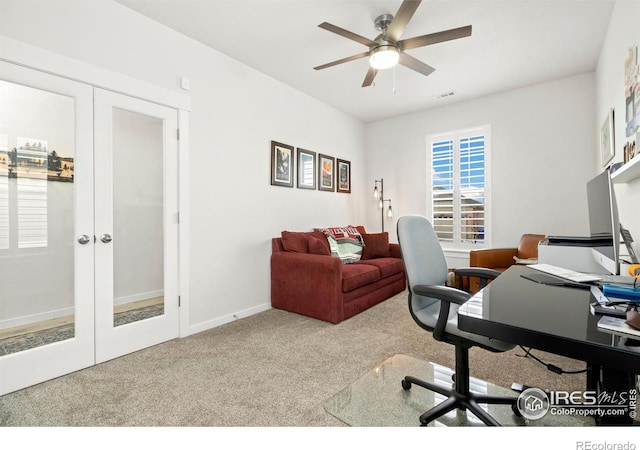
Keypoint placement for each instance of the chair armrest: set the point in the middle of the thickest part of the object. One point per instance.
(447, 295)
(480, 275)
(480, 272)
(492, 257)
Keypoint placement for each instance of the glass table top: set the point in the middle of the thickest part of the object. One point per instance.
(378, 400)
(515, 304)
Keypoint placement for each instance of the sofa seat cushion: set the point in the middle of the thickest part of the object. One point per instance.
(358, 275)
(386, 266)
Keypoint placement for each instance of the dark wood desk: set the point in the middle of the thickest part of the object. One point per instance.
(553, 319)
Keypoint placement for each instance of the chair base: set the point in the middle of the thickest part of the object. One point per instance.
(461, 396)
(468, 401)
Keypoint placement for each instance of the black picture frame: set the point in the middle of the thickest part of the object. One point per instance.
(343, 176)
(326, 173)
(282, 164)
(306, 169)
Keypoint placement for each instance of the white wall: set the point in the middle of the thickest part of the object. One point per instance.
(541, 156)
(544, 139)
(623, 33)
(236, 112)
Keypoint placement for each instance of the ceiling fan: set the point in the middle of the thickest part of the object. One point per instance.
(387, 49)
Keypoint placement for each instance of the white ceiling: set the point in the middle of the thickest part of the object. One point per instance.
(514, 44)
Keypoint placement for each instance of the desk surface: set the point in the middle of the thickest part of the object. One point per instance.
(550, 318)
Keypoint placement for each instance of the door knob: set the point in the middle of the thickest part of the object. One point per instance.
(84, 239)
(106, 238)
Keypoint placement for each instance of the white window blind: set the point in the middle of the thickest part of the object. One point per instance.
(4, 211)
(4, 193)
(459, 185)
(32, 213)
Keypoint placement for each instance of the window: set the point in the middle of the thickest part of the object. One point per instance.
(23, 193)
(458, 166)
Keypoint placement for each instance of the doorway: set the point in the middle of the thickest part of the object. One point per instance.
(88, 225)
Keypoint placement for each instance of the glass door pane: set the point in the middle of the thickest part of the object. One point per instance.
(37, 153)
(46, 204)
(138, 250)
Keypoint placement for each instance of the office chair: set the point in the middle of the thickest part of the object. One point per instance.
(434, 307)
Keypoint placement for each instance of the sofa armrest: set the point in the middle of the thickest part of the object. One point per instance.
(307, 284)
(394, 250)
(492, 258)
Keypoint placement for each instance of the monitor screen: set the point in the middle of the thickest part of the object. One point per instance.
(603, 220)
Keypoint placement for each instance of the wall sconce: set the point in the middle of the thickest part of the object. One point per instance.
(378, 195)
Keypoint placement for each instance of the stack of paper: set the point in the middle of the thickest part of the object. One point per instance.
(617, 326)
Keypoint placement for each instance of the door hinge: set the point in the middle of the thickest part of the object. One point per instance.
(179, 301)
(178, 133)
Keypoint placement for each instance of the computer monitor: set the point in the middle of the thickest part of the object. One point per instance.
(603, 222)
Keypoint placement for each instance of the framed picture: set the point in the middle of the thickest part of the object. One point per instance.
(326, 176)
(344, 176)
(282, 160)
(306, 169)
(607, 144)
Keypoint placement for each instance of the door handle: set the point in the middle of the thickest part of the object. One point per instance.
(106, 238)
(84, 239)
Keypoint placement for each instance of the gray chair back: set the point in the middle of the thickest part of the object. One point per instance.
(425, 264)
(423, 257)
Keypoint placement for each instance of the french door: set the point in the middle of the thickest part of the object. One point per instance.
(88, 226)
(136, 224)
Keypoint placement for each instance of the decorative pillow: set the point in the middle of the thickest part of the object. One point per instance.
(345, 242)
(376, 246)
(294, 242)
(319, 245)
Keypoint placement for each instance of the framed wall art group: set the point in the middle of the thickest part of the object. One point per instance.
(314, 170)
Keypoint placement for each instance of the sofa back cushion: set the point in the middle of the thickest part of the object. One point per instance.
(305, 242)
(376, 245)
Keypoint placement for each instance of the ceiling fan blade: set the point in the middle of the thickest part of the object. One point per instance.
(402, 18)
(413, 63)
(343, 60)
(348, 34)
(435, 38)
(368, 79)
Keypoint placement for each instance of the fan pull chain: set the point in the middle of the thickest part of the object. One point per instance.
(394, 79)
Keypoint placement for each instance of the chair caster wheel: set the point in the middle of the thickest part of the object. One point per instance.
(406, 385)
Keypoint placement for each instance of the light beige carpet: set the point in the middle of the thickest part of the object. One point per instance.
(271, 369)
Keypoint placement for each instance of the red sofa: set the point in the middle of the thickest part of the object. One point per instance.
(307, 280)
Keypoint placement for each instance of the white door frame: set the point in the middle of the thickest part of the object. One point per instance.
(72, 70)
(27, 55)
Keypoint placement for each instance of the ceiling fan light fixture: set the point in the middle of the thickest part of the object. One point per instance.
(384, 56)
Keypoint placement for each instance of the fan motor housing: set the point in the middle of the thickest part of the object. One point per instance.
(383, 21)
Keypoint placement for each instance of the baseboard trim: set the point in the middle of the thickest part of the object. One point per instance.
(209, 324)
(138, 297)
(35, 318)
